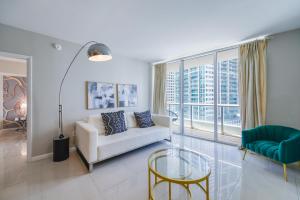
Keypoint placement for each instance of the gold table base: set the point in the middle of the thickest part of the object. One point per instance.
(184, 183)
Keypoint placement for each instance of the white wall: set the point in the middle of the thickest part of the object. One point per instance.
(49, 66)
(283, 84)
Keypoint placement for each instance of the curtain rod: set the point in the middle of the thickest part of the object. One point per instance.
(206, 52)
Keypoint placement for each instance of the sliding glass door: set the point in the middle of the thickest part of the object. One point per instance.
(198, 96)
(173, 95)
(202, 96)
(228, 97)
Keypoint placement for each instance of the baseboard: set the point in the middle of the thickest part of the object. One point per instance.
(47, 155)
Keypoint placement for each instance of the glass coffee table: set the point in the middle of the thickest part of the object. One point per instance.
(178, 166)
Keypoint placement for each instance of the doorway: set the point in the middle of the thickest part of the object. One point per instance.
(15, 101)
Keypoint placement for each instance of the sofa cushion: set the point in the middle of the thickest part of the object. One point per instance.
(131, 121)
(114, 122)
(265, 147)
(109, 146)
(144, 119)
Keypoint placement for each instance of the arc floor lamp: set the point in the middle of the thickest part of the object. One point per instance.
(96, 52)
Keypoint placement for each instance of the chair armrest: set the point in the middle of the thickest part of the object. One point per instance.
(251, 135)
(289, 150)
(162, 120)
(87, 140)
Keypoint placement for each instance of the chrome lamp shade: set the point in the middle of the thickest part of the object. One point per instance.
(99, 52)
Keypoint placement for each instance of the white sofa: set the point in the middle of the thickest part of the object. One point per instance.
(93, 146)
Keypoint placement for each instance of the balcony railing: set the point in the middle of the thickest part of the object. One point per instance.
(227, 125)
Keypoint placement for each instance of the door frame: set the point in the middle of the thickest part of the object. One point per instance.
(29, 97)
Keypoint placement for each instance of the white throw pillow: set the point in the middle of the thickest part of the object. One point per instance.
(131, 122)
(96, 120)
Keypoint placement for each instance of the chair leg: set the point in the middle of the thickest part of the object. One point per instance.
(245, 152)
(284, 172)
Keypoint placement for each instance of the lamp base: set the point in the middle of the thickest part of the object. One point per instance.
(60, 148)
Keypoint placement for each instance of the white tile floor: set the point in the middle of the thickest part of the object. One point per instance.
(125, 177)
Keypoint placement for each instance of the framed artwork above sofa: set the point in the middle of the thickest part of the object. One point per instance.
(100, 95)
(127, 95)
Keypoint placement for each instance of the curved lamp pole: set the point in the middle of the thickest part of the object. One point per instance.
(96, 52)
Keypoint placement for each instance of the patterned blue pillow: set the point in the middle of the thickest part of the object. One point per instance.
(114, 122)
(143, 119)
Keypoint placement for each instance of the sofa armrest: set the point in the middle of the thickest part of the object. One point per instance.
(251, 135)
(289, 150)
(87, 140)
(162, 120)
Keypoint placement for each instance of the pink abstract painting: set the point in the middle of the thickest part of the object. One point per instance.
(14, 99)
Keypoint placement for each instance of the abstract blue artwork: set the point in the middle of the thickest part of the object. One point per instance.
(100, 95)
(127, 95)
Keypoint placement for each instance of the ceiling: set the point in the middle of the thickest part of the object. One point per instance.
(153, 30)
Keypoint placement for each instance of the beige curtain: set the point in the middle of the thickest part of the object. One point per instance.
(159, 88)
(252, 77)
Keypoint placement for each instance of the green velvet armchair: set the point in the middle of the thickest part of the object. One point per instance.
(276, 142)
